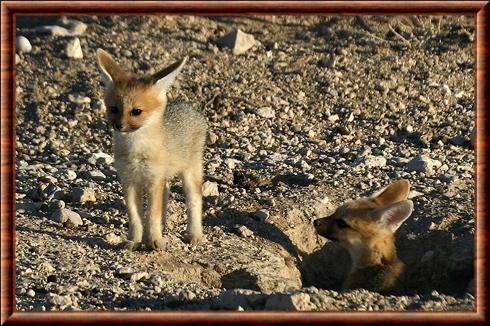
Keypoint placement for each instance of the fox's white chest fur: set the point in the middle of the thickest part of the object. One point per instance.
(140, 155)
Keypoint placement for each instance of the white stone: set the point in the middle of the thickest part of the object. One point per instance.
(60, 300)
(22, 44)
(265, 112)
(54, 30)
(237, 40)
(210, 188)
(374, 161)
(64, 215)
(74, 49)
(103, 158)
(78, 99)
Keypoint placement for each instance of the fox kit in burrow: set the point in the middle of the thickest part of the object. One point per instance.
(153, 141)
(365, 227)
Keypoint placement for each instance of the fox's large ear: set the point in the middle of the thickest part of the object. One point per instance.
(109, 69)
(165, 78)
(392, 216)
(395, 192)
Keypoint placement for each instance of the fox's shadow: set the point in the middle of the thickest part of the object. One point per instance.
(229, 217)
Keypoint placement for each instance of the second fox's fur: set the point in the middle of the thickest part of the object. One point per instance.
(365, 227)
(153, 142)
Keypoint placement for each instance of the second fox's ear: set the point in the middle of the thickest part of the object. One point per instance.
(395, 192)
(165, 78)
(109, 69)
(392, 216)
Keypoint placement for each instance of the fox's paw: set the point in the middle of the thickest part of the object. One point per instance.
(156, 244)
(130, 245)
(193, 238)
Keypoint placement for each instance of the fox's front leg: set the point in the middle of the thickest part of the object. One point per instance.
(153, 228)
(133, 196)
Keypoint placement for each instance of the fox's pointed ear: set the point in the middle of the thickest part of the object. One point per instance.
(395, 192)
(165, 78)
(109, 69)
(392, 216)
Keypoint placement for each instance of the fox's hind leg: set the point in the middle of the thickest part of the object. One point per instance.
(192, 180)
(166, 192)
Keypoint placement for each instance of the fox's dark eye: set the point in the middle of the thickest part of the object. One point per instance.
(134, 112)
(342, 224)
(113, 109)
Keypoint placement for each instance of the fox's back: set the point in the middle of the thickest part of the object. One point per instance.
(184, 130)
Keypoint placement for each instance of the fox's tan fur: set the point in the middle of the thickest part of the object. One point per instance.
(153, 142)
(365, 227)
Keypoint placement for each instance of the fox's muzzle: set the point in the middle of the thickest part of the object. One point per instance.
(323, 229)
(117, 126)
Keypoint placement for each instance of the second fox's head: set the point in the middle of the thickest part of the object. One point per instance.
(133, 101)
(360, 222)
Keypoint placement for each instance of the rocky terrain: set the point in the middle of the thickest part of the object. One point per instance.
(304, 114)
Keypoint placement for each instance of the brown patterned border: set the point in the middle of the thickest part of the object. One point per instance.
(11, 8)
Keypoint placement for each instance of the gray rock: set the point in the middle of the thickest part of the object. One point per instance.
(51, 191)
(66, 175)
(423, 164)
(95, 175)
(243, 231)
(297, 301)
(22, 44)
(59, 300)
(64, 215)
(74, 49)
(457, 140)
(31, 293)
(56, 204)
(82, 195)
(237, 40)
(210, 189)
(261, 214)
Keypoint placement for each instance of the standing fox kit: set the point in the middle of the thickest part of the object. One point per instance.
(153, 142)
(366, 227)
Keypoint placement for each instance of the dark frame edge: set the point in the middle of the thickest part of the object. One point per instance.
(481, 146)
(7, 161)
(9, 8)
(249, 7)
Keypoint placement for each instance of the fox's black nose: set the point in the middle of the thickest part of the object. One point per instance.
(117, 126)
